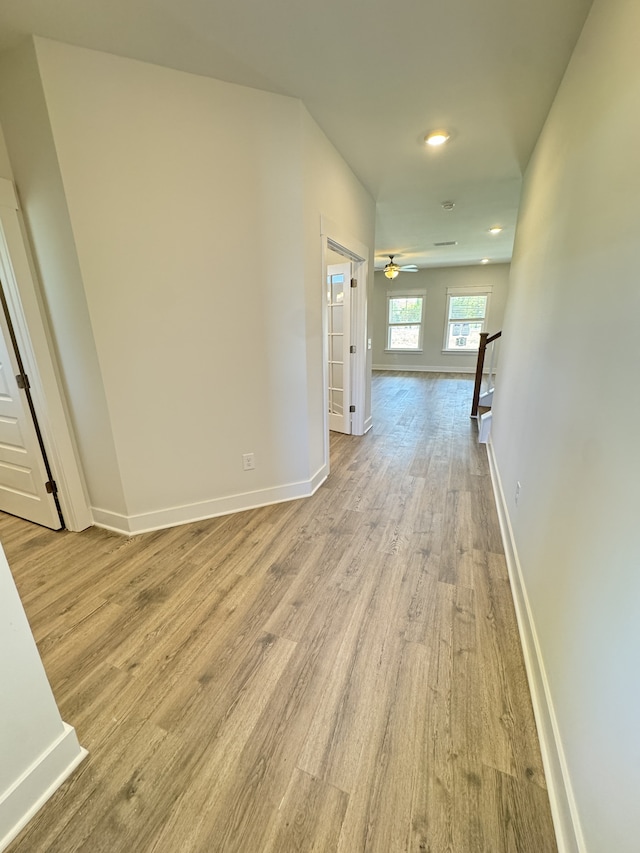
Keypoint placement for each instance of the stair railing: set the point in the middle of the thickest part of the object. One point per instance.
(485, 340)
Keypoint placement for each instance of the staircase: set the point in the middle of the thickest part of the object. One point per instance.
(483, 397)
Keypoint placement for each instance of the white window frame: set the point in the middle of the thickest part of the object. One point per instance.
(405, 294)
(485, 290)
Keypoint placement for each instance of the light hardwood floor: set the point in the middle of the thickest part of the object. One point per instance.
(341, 673)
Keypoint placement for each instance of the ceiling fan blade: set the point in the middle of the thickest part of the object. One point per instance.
(409, 268)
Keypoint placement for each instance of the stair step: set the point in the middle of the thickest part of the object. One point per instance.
(486, 399)
(484, 427)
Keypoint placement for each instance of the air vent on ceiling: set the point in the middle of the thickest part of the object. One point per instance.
(447, 243)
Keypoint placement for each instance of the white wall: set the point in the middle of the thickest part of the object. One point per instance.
(566, 419)
(197, 233)
(5, 165)
(331, 191)
(37, 750)
(435, 282)
(26, 127)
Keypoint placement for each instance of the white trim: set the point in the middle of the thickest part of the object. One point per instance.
(357, 251)
(368, 424)
(563, 805)
(27, 316)
(359, 303)
(419, 368)
(131, 525)
(38, 783)
(471, 290)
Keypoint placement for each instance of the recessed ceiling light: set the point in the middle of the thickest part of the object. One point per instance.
(448, 205)
(495, 229)
(437, 137)
(484, 261)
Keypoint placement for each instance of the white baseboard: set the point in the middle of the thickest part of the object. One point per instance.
(412, 368)
(318, 479)
(31, 791)
(563, 806)
(131, 525)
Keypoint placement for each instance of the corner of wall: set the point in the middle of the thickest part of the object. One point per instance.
(39, 751)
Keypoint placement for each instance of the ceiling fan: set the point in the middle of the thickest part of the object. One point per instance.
(391, 270)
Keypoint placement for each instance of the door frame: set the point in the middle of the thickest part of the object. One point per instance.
(336, 239)
(27, 313)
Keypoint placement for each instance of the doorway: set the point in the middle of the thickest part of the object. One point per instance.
(27, 488)
(347, 355)
(25, 331)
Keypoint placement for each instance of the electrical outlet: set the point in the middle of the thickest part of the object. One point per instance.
(248, 462)
(518, 487)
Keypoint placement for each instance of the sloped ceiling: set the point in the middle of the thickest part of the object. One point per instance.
(377, 76)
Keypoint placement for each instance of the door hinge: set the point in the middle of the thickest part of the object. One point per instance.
(354, 282)
(51, 487)
(352, 408)
(352, 348)
(23, 381)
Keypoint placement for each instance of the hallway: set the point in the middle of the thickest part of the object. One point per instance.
(341, 673)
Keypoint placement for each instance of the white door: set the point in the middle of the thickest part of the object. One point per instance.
(339, 330)
(23, 474)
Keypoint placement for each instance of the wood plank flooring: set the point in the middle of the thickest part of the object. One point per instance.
(341, 673)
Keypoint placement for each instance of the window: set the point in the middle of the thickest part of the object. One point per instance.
(404, 321)
(466, 316)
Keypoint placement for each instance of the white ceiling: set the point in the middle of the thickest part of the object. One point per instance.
(377, 76)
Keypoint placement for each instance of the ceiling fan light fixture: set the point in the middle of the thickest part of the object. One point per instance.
(437, 137)
(392, 268)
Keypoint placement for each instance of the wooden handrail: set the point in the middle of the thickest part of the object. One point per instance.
(485, 338)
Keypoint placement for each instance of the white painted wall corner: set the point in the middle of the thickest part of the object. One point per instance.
(38, 783)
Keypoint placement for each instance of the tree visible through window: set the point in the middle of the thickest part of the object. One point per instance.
(404, 322)
(466, 316)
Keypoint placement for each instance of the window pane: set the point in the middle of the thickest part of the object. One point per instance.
(337, 288)
(405, 309)
(467, 307)
(335, 348)
(336, 318)
(404, 337)
(464, 336)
